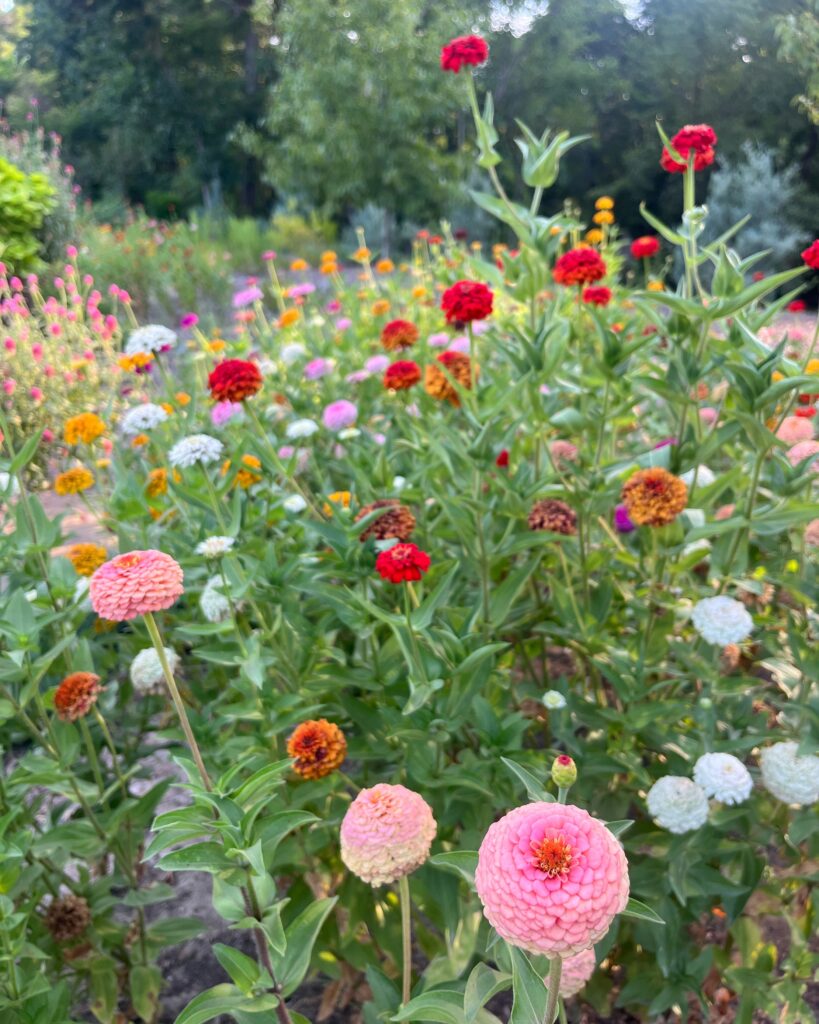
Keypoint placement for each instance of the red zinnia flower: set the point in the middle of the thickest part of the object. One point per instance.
(466, 301)
(645, 246)
(399, 334)
(502, 461)
(698, 139)
(583, 265)
(402, 563)
(464, 50)
(811, 255)
(234, 380)
(797, 306)
(600, 296)
(402, 375)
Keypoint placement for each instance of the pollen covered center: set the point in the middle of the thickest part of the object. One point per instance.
(552, 856)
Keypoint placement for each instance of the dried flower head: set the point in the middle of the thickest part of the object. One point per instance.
(397, 520)
(318, 747)
(76, 695)
(554, 515)
(654, 497)
(67, 917)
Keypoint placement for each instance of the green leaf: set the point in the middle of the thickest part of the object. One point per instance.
(208, 857)
(533, 785)
(634, 908)
(482, 984)
(529, 992)
(617, 828)
(223, 999)
(301, 937)
(145, 985)
(460, 862)
(243, 970)
(441, 1006)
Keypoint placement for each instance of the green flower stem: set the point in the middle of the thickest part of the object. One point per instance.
(561, 1013)
(214, 497)
(277, 462)
(555, 970)
(409, 598)
(473, 360)
(92, 757)
(745, 531)
(562, 794)
(603, 419)
(254, 910)
(406, 935)
(156, 638)
(483, 559)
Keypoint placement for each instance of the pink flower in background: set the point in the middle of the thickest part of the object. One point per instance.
(386, 833)
(812, 533)
(439, 340)
(9, 386)
(795, 428)
(803, 450)
(333, 306)
(134, 584)
(268, 256)
(357, 376)
(708, 415)
(339, 415)
(71, 252)
(563, 452)
(189, 320)
(223, 412)
(9, 346)
(576, 972)
(622, 520)
(551, 878)
(247, 296)
(343, 323)
(317, 368)
(36, 394)
(299, 290)
(48, 435)
(460, 344)
(377, 364)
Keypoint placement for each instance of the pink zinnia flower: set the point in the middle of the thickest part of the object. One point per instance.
(708, 415)
(439, 340)
(812, 533)
(189, 320)
(317, 368)
(222, 412)
(134, 584)
(298, 290)
(343, 323)
(563, 452)
(576, 972)
(268, 255)
(795, 428)
(803, 450)
(377, 364)
(551, 878)
(386, 833)
(340, 415)
(247, 296)
(333, 306)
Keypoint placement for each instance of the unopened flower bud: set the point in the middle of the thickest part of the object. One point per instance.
(564, 771)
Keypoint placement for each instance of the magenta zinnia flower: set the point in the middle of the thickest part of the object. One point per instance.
(134, 584)
(339, 415)
(386, 833)
(551, 878)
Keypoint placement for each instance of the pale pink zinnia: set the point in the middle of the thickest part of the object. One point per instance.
(134, 584)
(339, 415)
(804, 450)
(563, 452)
(551, 878)
(795, 428)
(812, 533)
(386, 833)
(576, 972)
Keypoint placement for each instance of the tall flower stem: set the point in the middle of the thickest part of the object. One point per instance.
(473, 360)
(156, 639)
(406, 935)
(555, 970)
(92, 757)
(254, 910)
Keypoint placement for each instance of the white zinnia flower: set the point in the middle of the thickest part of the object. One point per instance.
(213, 547)
(399, 483)
(704, 477)
(290, 353)
(8, 481)
(295, 503)
(722, 620)
(792, 778)
(723, 777)
(141, 418)
(146, 671)
(201, 448)
(677, 804)
(301, 428)
(150, 338)
(553, 700)
(215, 606)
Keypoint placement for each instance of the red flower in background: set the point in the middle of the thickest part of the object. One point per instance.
(600, 296)
(698, 139)
(466, 301)
(399, 334)
(583, 265)
(644, 247)
(402, 375)
(471, 50)
(402, 563)
(811, 255)
(502, 461)
(234, 380)
(797, 306)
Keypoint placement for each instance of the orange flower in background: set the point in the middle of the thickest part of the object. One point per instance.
(217, 345)
(289, 317)
(86, 558)
(328, 268)
(385, 266)
(247, 476)
(157, 483)
(299, 264)
(85, 428)
(362, 254)
(654, 497)
(603, 217)
(419, 292)
(340, 499)
(76, 695)
(182, 397)
(318, 748)
(604, 203)
(594, 236)
(138, 361)
(74, 481)
(329, 256)
(655, 286)
(437, 383)
(380, 307)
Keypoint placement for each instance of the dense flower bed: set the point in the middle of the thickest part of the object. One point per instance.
(407, 548)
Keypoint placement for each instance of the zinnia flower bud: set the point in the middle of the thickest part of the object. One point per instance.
(386, 833)
(564, 771)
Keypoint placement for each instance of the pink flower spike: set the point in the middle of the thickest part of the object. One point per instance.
(134, 584)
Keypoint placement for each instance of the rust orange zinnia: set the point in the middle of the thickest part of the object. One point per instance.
(76, 695)
(654, 497)
(318, 747)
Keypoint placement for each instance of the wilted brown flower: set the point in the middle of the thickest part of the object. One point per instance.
(67, 917)
(398, 521)
(554, 515)
(76, 695)
(729, 658)
(654, 497)
(317, 747)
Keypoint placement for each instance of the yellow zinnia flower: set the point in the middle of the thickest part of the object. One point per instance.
(85, 427)
(74, 481)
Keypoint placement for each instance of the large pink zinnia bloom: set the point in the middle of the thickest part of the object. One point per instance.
(551, 878)
(135, 583)
(386, 833)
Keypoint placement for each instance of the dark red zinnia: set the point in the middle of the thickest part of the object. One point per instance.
(698, 139)
(234, 380)
(811, 255)
(466, 301)
(502, 461)
(797, 306)
(399, 334)
(402, 563)
(645, 246)
(402, 375)
(597, 296)
(583, 265)
(471, 50)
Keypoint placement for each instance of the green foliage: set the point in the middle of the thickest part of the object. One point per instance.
(25, 199)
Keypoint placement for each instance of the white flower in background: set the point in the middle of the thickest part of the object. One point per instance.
(150, 338)
(399, 483)
(723, 777)
(201, 448)
(290, 353)
(295, 503)
(141, 418)
(213, 547)
(704, 477)
(30, 595)
(349, 433)
(553, 700)
(677, 804)
(301, 428)
(792, 778)
(9, 485)
(214, 604)
(722, 620)
(146, 671)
